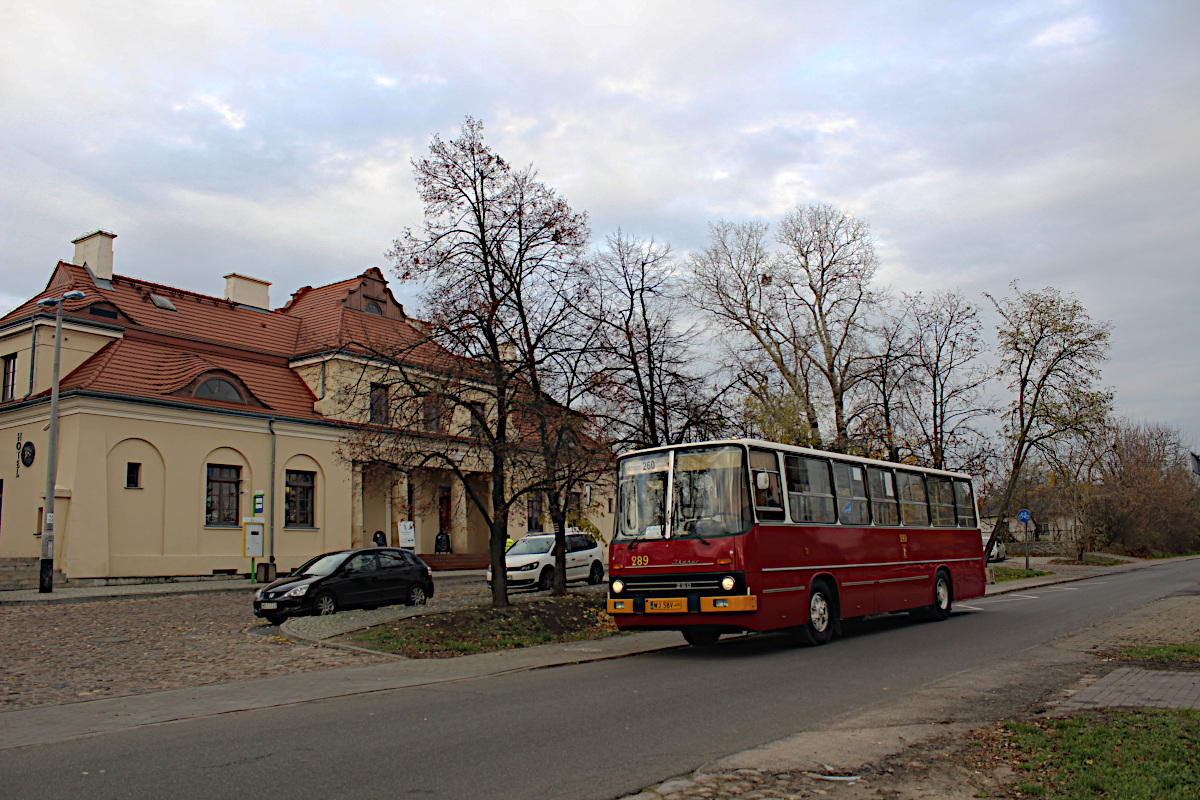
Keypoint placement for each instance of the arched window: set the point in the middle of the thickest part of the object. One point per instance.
(218, 389)
(373, 308)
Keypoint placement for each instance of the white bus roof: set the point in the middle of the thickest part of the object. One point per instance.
(807, 451)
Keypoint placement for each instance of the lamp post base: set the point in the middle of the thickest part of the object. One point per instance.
(46, 576)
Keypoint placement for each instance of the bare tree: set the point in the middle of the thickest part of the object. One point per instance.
(499, 259)
(947, 395)
(1050, 354)
(1075, 465)
(885, 425)
(651, 389)
(1147, 500)
(826, 268)
(804, 307)
(734, 280)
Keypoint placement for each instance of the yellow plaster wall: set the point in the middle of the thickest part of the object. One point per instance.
(105, 530)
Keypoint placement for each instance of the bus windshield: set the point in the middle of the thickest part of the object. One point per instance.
(710, 496)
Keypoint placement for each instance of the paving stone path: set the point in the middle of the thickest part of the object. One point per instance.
(69, 652)
(66, 652)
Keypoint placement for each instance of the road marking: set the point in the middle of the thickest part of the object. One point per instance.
(973, 608)
(1026, 596)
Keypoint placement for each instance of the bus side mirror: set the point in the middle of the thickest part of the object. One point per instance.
(762, 480)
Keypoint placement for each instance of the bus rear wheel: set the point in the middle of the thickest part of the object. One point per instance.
(943, 597)
(821, 615)
(700, 637)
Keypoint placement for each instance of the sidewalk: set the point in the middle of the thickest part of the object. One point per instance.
(53, 723)
(85, 594)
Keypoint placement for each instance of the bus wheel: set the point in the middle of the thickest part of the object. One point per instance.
(701, 637)
(819, 629)
(943, 596)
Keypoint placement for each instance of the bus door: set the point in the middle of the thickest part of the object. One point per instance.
(908, 582)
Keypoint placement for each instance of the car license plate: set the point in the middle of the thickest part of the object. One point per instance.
(268, 605)
(675, 604)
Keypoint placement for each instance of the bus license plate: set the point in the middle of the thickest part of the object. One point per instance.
(268, 605)
(675, 604)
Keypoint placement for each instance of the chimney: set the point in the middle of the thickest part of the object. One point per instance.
(243, 290)
(95, 250)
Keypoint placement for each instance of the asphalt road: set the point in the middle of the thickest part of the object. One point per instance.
(598, 730)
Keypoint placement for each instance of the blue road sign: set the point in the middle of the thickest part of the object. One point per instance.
(1023, 515)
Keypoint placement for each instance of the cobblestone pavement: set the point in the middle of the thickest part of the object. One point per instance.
(69, 652)
(63, 653)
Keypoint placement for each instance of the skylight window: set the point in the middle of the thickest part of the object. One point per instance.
(162, 302)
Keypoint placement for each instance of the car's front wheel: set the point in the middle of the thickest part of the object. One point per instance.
(546, 581)
(325, 604)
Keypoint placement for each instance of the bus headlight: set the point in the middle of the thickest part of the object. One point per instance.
(727, 583)
(618, 586)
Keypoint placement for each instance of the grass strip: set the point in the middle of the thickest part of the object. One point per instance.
(483, 629)
(1131, 755)
(1165, 654)
(1013, 574)
(1089, 560)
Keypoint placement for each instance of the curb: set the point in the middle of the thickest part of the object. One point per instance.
(1130, 567)
(94, 598)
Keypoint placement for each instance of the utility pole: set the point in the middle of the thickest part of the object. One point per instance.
(46, 570)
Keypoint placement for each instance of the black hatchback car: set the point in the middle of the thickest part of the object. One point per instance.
(376, 576)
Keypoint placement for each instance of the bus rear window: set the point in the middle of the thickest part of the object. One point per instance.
(964, 503)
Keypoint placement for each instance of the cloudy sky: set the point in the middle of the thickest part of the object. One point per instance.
(1057, 143)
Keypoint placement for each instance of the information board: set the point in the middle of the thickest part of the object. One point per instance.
(406, 534)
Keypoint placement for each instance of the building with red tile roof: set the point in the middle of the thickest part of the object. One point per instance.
(177, 408)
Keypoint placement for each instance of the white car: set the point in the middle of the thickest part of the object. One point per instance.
(530, 561)
(999, 551)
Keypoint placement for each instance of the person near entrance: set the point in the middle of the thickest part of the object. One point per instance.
(380, 539)
(441, 543)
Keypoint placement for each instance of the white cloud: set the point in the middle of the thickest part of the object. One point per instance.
(1068, 33)
(234, 120)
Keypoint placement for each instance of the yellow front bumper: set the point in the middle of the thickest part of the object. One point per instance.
(678, 605)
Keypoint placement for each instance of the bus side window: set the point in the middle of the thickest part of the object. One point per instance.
(964, 502)
(851, 494)
(883, 496)
(941, 501)
(913, 507)
(769, 500)
(810, 492)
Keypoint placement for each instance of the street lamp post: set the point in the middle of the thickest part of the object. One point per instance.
(46, 573)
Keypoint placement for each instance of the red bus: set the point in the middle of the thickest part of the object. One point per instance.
(759, 536)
